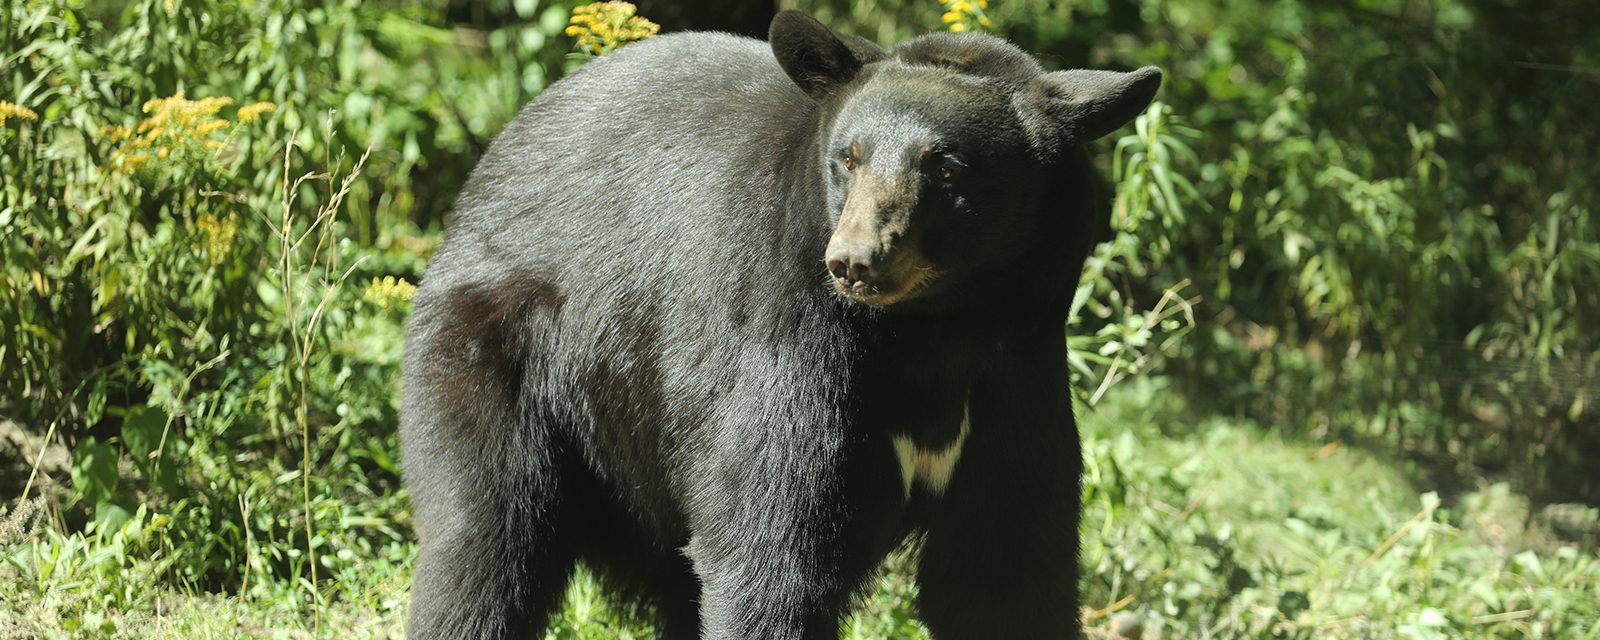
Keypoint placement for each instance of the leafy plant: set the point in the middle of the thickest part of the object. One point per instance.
(176, 278)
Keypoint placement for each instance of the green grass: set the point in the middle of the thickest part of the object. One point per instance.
(1194, 528)
(1222, 529)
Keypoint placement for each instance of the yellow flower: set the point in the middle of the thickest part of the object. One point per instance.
(218, 235)
(131, 162)
(250, 112)
(602, 27)
(14, 110)
(115, 133)
(208, 127)
(389, 292)
(965, 15)
(176, 130)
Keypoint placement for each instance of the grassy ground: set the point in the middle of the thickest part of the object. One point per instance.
(1194, 528)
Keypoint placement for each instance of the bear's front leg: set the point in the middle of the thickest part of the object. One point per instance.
(1001, 554)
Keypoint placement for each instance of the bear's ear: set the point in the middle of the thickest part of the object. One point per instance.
(815, 57)
(1079, 106)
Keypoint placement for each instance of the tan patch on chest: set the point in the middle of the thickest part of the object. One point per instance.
(930, 468)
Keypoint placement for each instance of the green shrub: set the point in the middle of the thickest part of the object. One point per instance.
(190, 254)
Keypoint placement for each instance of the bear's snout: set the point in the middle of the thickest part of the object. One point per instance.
(874, 254)
(874, 276)
(850, 263)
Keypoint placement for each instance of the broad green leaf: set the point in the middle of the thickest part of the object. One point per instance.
(94, 471)
(142, 428)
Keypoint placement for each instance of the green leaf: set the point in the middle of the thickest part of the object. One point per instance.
(94, 471)
(1529, 562)
(110, 516)
(141, 431)
(553, 20)
(97, 402)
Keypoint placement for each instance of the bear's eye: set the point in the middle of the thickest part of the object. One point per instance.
(849, 162)
(945, 164)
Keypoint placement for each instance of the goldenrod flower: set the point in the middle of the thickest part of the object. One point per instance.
(115, 133)
(250, 112)
(176, 128)
(601, 27)
(129, 163)
(965, 15)
(14, 110)
(209, 127)
(218, 235)
(389, 292)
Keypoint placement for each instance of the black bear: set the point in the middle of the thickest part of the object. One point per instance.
(729, 320)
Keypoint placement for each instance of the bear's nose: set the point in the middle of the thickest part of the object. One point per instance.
(850, 264)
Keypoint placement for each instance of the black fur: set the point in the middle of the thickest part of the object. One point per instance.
(628, 350)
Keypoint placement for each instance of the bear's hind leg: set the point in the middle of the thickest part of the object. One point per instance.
(486, 476)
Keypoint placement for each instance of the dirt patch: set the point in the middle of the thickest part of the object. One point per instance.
(19, 448)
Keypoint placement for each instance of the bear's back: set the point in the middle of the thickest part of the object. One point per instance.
(661, 147)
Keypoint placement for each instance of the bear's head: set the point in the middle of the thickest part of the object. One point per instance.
(942, 155)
